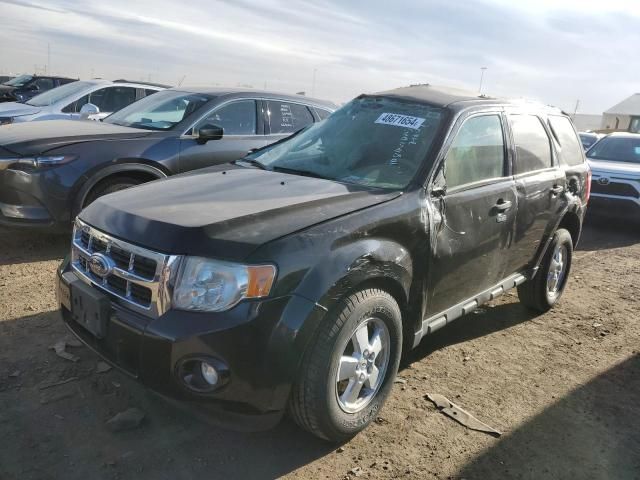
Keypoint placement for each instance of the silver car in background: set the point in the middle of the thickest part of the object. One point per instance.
(84, 99)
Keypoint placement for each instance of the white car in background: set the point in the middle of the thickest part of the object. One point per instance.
(84, 99)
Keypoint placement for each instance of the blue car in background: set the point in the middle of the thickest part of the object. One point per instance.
(24, 87)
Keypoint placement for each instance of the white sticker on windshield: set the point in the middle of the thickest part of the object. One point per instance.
(400, 120)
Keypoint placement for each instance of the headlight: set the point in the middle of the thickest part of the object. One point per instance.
(6, 120)
(214, 286)
(36, 162)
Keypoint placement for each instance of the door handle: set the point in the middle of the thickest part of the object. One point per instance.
(502, 205)
(557, 190)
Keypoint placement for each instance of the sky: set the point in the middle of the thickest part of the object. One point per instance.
(555, 51)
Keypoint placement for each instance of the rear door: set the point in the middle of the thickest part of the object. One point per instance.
(477, 210)
(540, 185)
(242, 132)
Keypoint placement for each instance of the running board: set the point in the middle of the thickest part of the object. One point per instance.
(441, 319)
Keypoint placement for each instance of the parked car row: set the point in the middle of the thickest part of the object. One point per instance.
(87, 99)
(299, 252)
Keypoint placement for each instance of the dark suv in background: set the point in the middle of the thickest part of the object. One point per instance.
(293, 279)
(24, 87)
(50, 170)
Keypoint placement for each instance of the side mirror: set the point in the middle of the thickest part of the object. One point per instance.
(209, 132)
(87, 110)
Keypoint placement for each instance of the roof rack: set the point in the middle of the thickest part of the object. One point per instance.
(122, 80)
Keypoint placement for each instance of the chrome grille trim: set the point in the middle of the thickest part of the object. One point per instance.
(160, 286)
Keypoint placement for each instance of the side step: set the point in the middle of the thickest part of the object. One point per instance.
(435, 322)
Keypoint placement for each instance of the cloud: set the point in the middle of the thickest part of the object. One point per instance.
(553, 51)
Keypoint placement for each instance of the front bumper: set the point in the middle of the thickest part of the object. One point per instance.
(36, 198)
(251, 339)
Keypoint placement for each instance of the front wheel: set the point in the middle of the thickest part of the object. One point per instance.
(348, 371)
(545, 289)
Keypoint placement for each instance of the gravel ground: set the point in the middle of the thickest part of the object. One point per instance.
(563, 388)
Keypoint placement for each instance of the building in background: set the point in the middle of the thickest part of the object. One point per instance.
(624, 117)
(585, 122)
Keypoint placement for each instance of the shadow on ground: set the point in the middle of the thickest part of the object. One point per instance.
(28, 245)
(602, 234)
(586, 431)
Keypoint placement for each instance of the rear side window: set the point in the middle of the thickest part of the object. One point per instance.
(284, 117)
(571, 150)
(148, 91)
(533, 147)
(477, 152)
(117, 98)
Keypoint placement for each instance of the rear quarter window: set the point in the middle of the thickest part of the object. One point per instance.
(571, 151)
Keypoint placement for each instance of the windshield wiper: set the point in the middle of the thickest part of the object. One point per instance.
(252, 162)
(304, 173)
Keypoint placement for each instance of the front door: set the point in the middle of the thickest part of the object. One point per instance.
(239, 120)
(477, 214)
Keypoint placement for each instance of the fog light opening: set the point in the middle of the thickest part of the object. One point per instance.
(202, 374)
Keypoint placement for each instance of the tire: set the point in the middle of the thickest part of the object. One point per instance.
(109, 185)
(317, 402)
(536, 293)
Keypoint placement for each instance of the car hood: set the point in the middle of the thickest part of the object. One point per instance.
(15, 109)
(34, 138)
(226, 211)
(628, 168)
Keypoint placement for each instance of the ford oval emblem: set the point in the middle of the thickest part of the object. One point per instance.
(603, 181)
(100, 265)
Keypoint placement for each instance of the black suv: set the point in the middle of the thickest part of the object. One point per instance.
(293, 279)
(51, 169)
(24, 87)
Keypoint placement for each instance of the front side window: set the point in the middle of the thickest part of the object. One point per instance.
(372, 141)
(160, 111)
(617, 149)
(571, 149)
(284, 117)
(533, 147)
(477, 152)
(236, 118)
(58, 94)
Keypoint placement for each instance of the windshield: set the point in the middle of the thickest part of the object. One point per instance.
(18, 81)
(160, 111)
(587, 140)
(57, 94)
(617, 149)
(372, 141)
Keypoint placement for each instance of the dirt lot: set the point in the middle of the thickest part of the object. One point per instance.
(563, 387)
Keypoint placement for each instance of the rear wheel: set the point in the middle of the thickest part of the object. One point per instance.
(348, 372)
(110, 185)
(545, 289)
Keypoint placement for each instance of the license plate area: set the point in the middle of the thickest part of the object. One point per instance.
(90, 308)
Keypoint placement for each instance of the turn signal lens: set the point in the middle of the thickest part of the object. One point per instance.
(260, 280)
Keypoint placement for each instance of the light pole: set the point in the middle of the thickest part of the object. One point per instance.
(313, 87)
(482, 69)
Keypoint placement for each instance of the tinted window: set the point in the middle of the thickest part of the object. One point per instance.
(43, 83)
(371, 141)
(322, 114)
(117, 98)
(286, 117)
(477, 152)
(618, 149)
(571, 149)
(533, 148)
(237, 118)
(148, 91)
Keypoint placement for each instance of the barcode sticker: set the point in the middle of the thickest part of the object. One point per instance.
(398, 120)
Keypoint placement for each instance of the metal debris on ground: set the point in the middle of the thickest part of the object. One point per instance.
(356, 471)
(400, 380)
(60, 349)
(461, 416)
(102, 367)
(127, 420)
(44, 386)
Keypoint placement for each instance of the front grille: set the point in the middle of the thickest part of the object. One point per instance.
(136, 277)
(614, 188)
